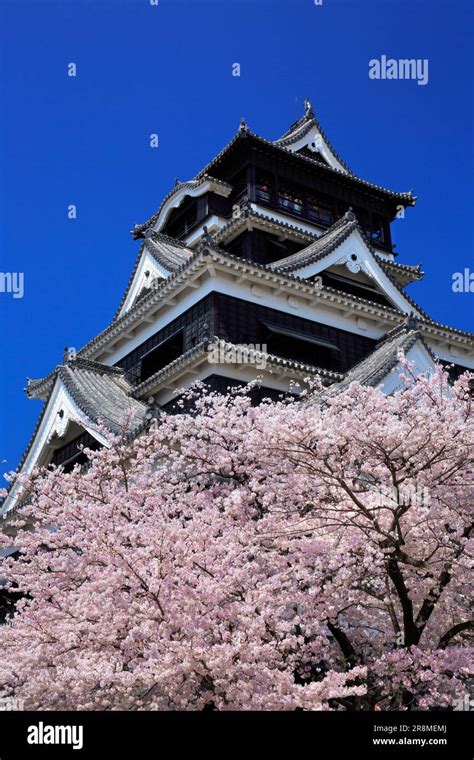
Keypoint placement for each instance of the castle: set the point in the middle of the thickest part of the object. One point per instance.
(276, 245)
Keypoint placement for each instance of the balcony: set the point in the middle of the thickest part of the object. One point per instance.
(293, 205)
(320, 211)
(290, 205)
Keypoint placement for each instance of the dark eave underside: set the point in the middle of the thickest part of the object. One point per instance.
(405, 198)
(408, 272)
(197, 259)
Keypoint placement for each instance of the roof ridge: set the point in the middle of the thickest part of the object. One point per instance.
(410, 325)
(139, 230)
(201, 348)
(77, 393)
(75, 363)
(91, 365)
(167, 238)
(380, 368)
(302, 127)
(245, 133)
(343, 227)
(398, 264)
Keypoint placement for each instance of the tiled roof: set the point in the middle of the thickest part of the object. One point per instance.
(406, 272)
(167, 251)
(140, 229)
(371, 370)
(272, 360)
(322, 246)
(407, 198)
(103, 396)
(101, 392)
(327, 243)
(301, 127)
(37, 388)
(385, 266)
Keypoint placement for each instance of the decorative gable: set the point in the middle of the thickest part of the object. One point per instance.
(307, 137)
(344, 251)
(157, 258)
(147, 270)
(422, 364)
(383, 367)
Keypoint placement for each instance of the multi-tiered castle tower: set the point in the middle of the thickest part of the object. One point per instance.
(276, 244)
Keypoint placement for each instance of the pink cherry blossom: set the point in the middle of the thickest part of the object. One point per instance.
(310, 554)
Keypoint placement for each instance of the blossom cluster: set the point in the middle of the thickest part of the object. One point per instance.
(239, 557)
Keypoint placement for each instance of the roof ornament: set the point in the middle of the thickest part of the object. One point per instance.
(243, 126)
(153, 410)
(138, 231)
(308, 108)
(349, 215)
(207, 238)
(207, 241)
(411, 322)
(69, 355)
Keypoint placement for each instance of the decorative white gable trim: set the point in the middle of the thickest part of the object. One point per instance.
(60, 413)
(354, 254)
(307, 133)
(192, 189)
(147, 264)
(422, 364)
(315, 142)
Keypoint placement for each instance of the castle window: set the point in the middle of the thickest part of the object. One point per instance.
(162, 355)
(354, 288)
(319, 213)
(264, 189)
(289, 200)
(299, 346)
(377, 231)
(186, 217)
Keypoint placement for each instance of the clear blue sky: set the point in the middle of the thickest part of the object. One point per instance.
(167, 69)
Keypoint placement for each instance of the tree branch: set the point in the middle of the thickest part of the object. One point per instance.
(409, 627)
(468, 625)
(346, 647)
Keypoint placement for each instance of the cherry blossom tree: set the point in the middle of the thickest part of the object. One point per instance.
(309, 554)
